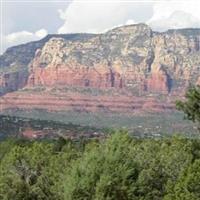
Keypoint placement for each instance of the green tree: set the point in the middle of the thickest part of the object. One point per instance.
(105, 172)
(118, 167)
(191, 107)
(188, 185)
(34, 171)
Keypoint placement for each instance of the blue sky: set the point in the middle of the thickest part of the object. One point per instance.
(26, 20)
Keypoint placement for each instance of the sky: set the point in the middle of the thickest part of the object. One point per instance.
(28, 20)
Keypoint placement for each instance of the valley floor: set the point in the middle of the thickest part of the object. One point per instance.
(142, 125)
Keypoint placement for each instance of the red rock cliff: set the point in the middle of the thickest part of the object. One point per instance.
(130, 58)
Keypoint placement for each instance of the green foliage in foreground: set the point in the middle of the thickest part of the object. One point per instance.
(116, 168)
(191, 107)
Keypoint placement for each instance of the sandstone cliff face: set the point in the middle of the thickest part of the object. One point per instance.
(125, 57)
(63, 101)
(14, 62)
(129, 58)
(114, 59)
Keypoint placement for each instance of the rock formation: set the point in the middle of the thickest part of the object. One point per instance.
(129, 58)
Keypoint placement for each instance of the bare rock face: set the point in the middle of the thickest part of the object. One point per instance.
(93, 63)
(125, 57)
(158, 81)
(15, 61)
(128, 58)
(79, 101)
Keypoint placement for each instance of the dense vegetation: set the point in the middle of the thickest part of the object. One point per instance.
(117, 167)
(191, 107)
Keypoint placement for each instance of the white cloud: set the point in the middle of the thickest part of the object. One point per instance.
(41, 33)
(22, 37)
(174, 14)
(96, 16)
(130, 21)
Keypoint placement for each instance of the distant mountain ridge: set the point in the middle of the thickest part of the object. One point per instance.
(15, 61)
(23, 53)
(129, 58)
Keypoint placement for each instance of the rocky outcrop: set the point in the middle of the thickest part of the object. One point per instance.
(93, 63)
(130, 58)
(15, 61)
(83, 102)
(126, 57)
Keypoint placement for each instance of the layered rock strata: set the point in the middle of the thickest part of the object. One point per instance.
(131, 58)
